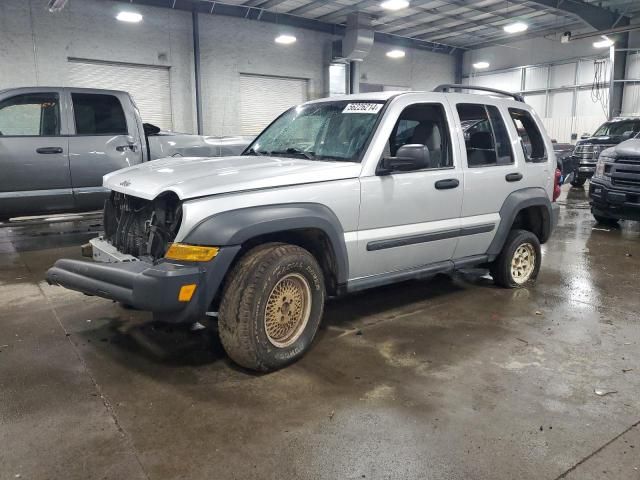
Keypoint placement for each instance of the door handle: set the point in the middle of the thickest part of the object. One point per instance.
(448, 183)
(49, 150)
(513, 177)
(122, 148)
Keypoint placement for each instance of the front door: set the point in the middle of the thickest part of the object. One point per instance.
(411, 219)
(34, 162)
(106, 139)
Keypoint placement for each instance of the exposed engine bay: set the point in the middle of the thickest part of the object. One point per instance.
(139, 227)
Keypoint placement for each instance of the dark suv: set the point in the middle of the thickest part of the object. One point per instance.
(615, 186)
(609, 134)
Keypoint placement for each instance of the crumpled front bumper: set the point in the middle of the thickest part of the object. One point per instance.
(147, 286)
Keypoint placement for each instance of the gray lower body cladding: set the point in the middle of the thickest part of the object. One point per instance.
(147, 286)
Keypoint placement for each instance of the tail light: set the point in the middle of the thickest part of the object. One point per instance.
(556, 184)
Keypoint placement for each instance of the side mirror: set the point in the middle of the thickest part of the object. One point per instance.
(408, 158)
(585, 136)
(150, 129)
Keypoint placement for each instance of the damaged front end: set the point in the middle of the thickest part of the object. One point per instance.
(133, 264)
(142, 228)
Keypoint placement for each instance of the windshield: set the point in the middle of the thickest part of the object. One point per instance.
(320, 131)
(616, 129)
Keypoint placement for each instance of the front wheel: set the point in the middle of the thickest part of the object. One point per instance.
(519, 262)
(271, 306)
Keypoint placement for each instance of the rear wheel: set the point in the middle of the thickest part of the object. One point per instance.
(578, 182)
(519, 262)
(271, 306)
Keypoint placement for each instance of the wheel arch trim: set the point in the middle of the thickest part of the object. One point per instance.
(235, 227)
(514, 204)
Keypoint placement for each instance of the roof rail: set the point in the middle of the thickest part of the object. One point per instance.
(451, 86)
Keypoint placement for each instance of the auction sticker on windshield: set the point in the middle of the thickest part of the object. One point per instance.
(362, 108)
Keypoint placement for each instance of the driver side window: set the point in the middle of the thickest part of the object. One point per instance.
(423, 124)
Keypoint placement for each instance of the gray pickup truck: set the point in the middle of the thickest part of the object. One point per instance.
(335, 196)
(56, 144)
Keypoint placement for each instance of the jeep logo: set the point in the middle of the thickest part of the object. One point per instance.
(126, 183)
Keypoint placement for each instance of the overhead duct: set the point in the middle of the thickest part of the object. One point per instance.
(357, 41)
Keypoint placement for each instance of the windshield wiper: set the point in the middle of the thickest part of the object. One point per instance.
(253, 151)
(294, 151)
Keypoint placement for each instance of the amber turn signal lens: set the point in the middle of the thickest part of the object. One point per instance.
(186, 292)
(190, 253)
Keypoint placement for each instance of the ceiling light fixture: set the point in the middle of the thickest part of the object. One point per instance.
(481, 65)
(131, 17)
(286, 39)
(516, 27)
(605, 42)
(396, 53)
(394, 4)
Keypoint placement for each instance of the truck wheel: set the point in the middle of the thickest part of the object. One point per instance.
(519, 262)
(578, 182)
(271, 306)
(605, 220)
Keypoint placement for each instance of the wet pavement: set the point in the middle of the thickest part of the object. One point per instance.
(450, 378)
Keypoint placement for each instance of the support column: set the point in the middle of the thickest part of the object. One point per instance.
(354, 77)
(196, 68)
(618, 57)
(459, 59)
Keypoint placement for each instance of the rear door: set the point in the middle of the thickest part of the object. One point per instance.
(492, 171)
(34, 162)
(105, 138)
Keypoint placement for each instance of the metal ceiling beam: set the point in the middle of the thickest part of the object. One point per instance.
(263, 3)
(498, 31)
(534, 34)
(599, 18)
(263, 15)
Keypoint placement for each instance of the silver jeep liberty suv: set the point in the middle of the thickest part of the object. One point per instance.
(335, 196)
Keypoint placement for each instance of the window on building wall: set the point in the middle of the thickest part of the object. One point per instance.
(337, 79)
(530, 137)
(486, 137)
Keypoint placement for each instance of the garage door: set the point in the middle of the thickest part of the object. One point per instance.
(263, 98)
(148, 85)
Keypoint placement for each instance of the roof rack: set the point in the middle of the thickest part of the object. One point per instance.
(451, 86)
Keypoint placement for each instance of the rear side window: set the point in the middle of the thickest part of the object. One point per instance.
(97, 114)
(31, 114)
(485, 134)
(530, 136)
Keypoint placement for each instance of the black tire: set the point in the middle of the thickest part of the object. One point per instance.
(243, 308)
(501, 268)
(602, 220)
(578, 182)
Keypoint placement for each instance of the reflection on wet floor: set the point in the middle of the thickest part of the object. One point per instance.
(27, 235)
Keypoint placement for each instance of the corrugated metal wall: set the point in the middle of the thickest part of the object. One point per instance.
(564, 94)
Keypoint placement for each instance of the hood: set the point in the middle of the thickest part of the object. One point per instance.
(603, 140)
(203, 176)
(629, 148)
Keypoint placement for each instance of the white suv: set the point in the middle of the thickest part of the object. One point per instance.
(336, 195)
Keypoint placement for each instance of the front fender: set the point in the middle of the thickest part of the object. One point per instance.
(235, 227)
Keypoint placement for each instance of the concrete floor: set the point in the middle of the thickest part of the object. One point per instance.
(450, 378)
